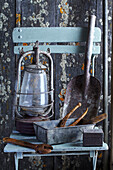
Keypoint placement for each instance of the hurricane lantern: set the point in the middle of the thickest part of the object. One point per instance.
(34, 92)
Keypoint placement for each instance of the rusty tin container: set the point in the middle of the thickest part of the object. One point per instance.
(47, 132)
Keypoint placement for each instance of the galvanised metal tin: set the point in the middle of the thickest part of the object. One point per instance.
(47, 132)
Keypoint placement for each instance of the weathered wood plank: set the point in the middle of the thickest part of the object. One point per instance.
(7, 69)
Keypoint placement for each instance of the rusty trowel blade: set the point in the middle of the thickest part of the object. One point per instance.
(74, 95)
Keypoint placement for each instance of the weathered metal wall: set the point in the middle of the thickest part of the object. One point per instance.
(46, 13)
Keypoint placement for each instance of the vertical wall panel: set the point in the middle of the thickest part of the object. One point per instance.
(7, 74)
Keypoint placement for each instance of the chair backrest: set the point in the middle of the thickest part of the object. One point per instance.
(54, 37)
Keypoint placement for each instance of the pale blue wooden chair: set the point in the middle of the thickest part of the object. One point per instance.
(56, 36)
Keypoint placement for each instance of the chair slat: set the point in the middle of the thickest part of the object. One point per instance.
(53, 34)
(58, 49)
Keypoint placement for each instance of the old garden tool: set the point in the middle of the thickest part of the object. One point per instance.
(39, 148)
(84, 89)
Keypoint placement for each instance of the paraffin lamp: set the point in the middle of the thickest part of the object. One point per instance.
(34, 96)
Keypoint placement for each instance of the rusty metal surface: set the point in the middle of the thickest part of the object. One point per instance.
(74, 94)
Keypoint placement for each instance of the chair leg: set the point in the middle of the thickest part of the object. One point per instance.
(93, 155)
(17, 156)
(16, 161)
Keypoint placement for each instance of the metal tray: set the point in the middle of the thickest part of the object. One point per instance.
(48, 133)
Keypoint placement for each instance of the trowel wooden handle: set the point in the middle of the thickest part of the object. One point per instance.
(63, 121)
(78, 120)
(98, 118)
(95, 119)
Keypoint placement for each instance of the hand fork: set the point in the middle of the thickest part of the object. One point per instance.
(39, 148)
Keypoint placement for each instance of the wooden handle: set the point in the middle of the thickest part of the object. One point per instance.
(98, 118)
(78, 120)
(95, 119)
(63, 121)
(88, 53)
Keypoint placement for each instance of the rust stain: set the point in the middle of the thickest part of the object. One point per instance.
(83, 66)
(64, 91)
(22, 67)
(25, 44)
(77, 44)
(61, 10)
(25, 58)
(62, 99)
(31, 59)
(62, 95)
(100, 155)
(91, 71)
(18, 18)
(44, 62)
(44, 165)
